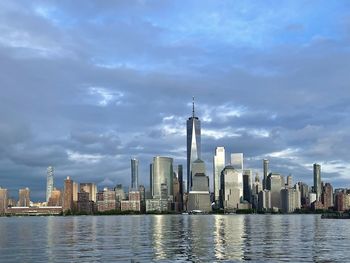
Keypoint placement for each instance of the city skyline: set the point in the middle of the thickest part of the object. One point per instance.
(269, 82)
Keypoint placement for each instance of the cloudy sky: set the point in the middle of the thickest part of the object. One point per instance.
(86, 85)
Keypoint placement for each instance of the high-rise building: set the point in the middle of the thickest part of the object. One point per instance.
(106, 200)
(247, 185)
(181, 185)
(134, 202)
(317, 181)
(257, 187)
(304, 193)
(290, 199)
(231, 188)
(266, 172)
(193, 144)
(199, 196)
(68, 195)
(134, 174)
(3, 200)
(264, 200)
(237, 161)
(75, 191)
(289, 181)
(218, 166)
(162, 173)
(55, 198)
(85, 205)
(24, 197)
(274, 183)
(327, 195)
(89, 188)
(339, 203)
(119, 195)
(49, 182)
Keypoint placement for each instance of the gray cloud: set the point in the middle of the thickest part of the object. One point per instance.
(87, 87)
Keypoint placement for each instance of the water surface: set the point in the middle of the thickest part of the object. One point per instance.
(295, 238)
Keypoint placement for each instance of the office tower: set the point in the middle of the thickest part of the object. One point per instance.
(237, 161)
(85, 205)
(119, 195)
(264, 200)
(142, 191)
(199, 196)
(3, 200)
(49, 183)
(162, 173)
(290, 199)
(247, 185)
(55, 198)
(311, 198)
(68, 195)
(24, 199)
(89, 188)
(134, 174)
(193, 144)
(289, 181)
(218, 166)
(339, 202)
(231, 188)
(75, 191)
(304, 193)
(317, 181)
(274, 183)
(257, 187)
(177, 196)
(181, 184)
(327, 195)
(150, 178)
(266, 172)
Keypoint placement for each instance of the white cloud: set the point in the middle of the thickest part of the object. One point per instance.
(105, 96)
(84, 158)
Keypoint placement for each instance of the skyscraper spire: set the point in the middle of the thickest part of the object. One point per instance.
(193, 106)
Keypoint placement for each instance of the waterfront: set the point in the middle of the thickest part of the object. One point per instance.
(295, 238)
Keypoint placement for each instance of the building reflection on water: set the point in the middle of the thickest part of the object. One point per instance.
(228, 237)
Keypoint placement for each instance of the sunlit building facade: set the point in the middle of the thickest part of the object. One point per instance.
(218, 166)
(49, 182)
(193, 145)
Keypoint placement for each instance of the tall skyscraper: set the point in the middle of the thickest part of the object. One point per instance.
(199, 196)
(317, 181)
(266, 172)
(289, 181)
(247, 185)
(218, 166)
(231, 188)
(181, 185)
(237, 161)
(68, 195)
(193, 144)
(162, 173)
(134, 174)
(274, 183)
(89, 188)
(49, 183)
(24, 197)
(3, 200)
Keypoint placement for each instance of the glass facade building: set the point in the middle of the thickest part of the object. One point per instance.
(134, 174)
(162, 173)
(193, 145)
(49, 183)
(218, 166)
